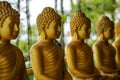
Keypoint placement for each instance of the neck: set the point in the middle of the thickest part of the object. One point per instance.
(46, 40)
(4, 42)
(78, 40)
(101, 39)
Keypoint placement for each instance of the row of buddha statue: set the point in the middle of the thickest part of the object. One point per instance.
(102, 62)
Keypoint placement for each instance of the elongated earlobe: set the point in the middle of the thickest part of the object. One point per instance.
(75, 36)
(42, 35)
(102, 34)
(45, 35)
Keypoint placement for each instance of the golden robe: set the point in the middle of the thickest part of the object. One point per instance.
(116, 45)
(107, 55)
(53, 61)
(12, 66)
(83, 59)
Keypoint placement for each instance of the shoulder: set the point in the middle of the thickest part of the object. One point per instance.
(97, 44)
(71, 45)
(97, 47)
(16, 49)
(36, 48)
(86, 46)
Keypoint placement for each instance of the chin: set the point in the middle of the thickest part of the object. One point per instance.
(87, 37)
(14, 37)
(111, 37)
(56, 37)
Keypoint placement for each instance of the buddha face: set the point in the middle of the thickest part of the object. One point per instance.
(53, 30)
(10, 28)
(84, 31)
(108, 33)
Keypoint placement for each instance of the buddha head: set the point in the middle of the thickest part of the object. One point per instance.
(117, 29)
(9, 21)
(49, 24)
(105, 27)
(80, 26)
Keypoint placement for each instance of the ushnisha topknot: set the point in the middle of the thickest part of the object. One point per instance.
(78, 20)
(6, 10)
(48, 14)
(117, 28)
(103, 24)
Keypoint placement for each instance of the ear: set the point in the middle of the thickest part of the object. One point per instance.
(102, 34)
(75, 35)
(42, 35)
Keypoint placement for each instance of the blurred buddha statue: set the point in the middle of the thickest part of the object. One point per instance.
(116, 43)
(104, 52)
(47, 57)
(12, 65)
(79, 55)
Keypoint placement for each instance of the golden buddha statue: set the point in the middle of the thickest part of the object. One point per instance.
(47, 57)
(79, 55)
(104, 52)
(116, 43)
(12, 65)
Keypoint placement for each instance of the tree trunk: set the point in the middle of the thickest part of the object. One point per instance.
(28, 23)
(18, 7)
(72, 8)
(56, 5)
(62, 31)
